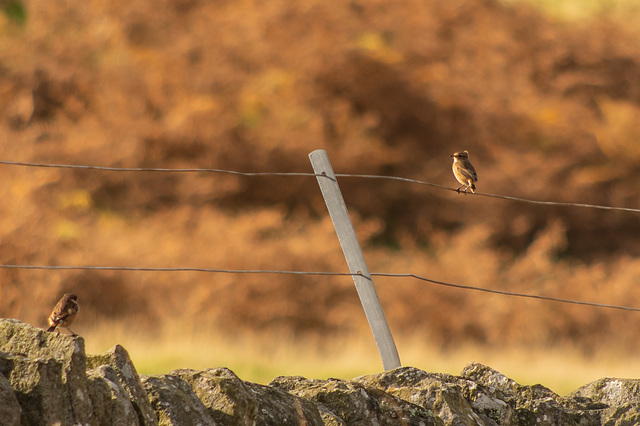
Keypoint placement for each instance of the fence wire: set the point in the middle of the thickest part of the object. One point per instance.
(317, 273)
(302, 174)
(321, 273)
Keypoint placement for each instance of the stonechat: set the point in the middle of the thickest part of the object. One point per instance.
(464, 172)
(65, 313)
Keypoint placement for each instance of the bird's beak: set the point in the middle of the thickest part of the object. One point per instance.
(453, 155)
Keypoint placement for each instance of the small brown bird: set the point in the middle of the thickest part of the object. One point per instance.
(464, 172)
(64, 313)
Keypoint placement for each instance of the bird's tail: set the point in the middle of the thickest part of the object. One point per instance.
(52, 328)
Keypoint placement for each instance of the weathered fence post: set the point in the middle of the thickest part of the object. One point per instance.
(355, 259)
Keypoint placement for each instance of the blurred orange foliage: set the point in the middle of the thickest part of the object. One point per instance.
(547, 110)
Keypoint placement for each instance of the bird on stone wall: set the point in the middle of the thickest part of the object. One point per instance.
(464, 172)
(65, 313)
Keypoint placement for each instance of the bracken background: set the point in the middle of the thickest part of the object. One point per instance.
(549, 110)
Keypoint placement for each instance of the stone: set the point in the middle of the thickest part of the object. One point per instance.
(46, 378)
(48, 374)
(129, 380)
(227, 398)
(110, 400)
(530, 404)
(277, 407)
(617, 401)
(10, 410)
(174, 401)
(442, 393)
(352, 403)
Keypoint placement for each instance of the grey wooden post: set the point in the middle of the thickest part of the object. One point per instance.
(355, 259)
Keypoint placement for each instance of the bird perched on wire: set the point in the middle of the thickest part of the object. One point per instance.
(65, 313)
(464, 172)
